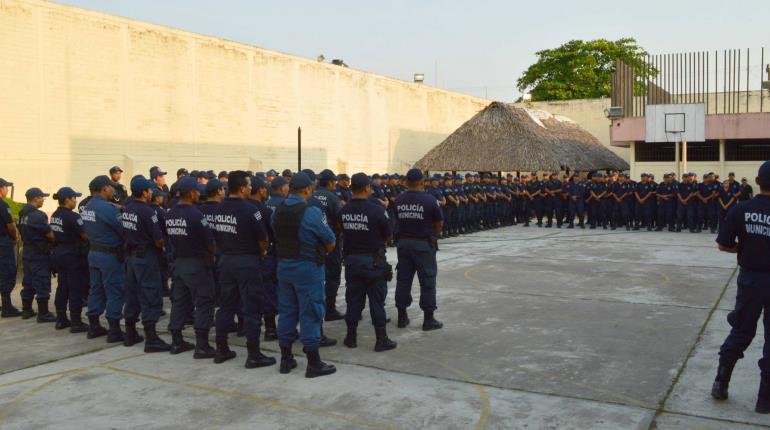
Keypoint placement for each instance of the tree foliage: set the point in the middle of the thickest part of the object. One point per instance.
(579, 69)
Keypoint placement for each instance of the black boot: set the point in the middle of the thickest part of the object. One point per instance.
(316, 367)
(202, 347)
(270, 329)
(332, 314)
(62, 321)
(351, 338)
(326, 341)
(153, 342)
(95, 328)
(76, 325)
(223, 352)
(256, 358)
(114, 333)
(430, 323)
(132, 336)
(722, 381)
(43, 314)
(763, 398)
(403, 318)
(383, 342)
(8, 311)
(178, 344)
(287, 360)
(26, 309)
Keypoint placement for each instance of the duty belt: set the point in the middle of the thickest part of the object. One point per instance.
(105, 249)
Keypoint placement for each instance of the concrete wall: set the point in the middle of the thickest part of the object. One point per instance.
(81, 91)
(588, 113)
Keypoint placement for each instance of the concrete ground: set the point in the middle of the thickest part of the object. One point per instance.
(544, 329)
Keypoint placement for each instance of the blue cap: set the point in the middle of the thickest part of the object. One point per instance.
(4, 183)
(310, 174)
(65, 193)
(256, 184)
(139, 183)
(764, 173)
(327, 175)
(213, 186)
(414, 175)
(155, 172)
(195, 173)
(222, 174)
(279, 181)
(342, 176)
(300, 180)
(376, 176)
(458, 176)
(116, 169)
(100, 182)
(35, 192)
(272, 172)
(186, 184)
(286, 172)
(435, 176)
(360, 180)
(385, 176)
(182, 172)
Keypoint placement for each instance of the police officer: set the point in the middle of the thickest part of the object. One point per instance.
(325, 199)
(159, 178)
(537, 196)
(279, 190)
(685, 194)
(37, 237)
(666, 204)
(303, 239)
(174, 191)
(419, 222)
(242, 239)
(8, 237)
(597, 191)
(143, 289)
(70, 260)
(106, 258)
(747, 233)
(576, 191)
(120, 195)
(269, 263)
(727, 200)
(193, 242)
(366, 230)
(644, 193)
(746, 191)
(343, 188)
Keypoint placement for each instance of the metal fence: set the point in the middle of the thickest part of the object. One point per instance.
(727, 81)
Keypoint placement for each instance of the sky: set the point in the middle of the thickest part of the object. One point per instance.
(477, 48)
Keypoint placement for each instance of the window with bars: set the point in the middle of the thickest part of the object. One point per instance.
(664, 151)
(747, 150)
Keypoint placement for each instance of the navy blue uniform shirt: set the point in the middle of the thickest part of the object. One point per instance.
(208, 209)
(103, 223)
(416, 212)
(749, 223)
(67, 226)
(5, 218)
(140, 224)
(726, 195)
(365, 227)
(188, 231)
(33, 225)
(685, 189)
(239, 227)
(644, 188)
(267, 215)
(329, 204)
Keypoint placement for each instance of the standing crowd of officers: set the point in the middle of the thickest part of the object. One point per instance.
(484, 201)
(239, 250)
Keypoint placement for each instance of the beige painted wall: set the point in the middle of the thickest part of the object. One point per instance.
(81, 91)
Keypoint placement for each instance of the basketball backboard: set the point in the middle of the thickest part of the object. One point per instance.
(675, 123)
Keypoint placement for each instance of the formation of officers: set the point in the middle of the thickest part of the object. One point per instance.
(239, 250)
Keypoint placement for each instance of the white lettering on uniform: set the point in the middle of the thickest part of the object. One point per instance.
(411, 211)
(88, 215)
(129, 221)
(226, 224)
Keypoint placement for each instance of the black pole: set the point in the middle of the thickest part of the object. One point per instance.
(299, 149)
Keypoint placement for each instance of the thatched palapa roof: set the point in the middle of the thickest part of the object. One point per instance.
(506, 138)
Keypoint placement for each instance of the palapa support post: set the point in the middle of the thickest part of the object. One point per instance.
(299, 149)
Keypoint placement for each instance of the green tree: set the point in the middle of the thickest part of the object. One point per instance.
(579, 69)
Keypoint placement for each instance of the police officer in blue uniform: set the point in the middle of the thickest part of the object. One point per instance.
(105, 259)
(325, 199)
(644, 194)
(37, 237)
(269, 264)
(747, 233)
(343, 188)
(685, 194)
(553, 189)
(279, 190)
(726, 200)
(144, 248)
(597, 191)
(537, 195)
(419, 224)
(303, 239)
(366, 230)
(8, 238)
(120, 195)
(576, 192)
(193, 242)
(243, 241)
(666, 204)
(70, 260)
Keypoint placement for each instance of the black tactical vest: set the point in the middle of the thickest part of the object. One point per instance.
(286, 227)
